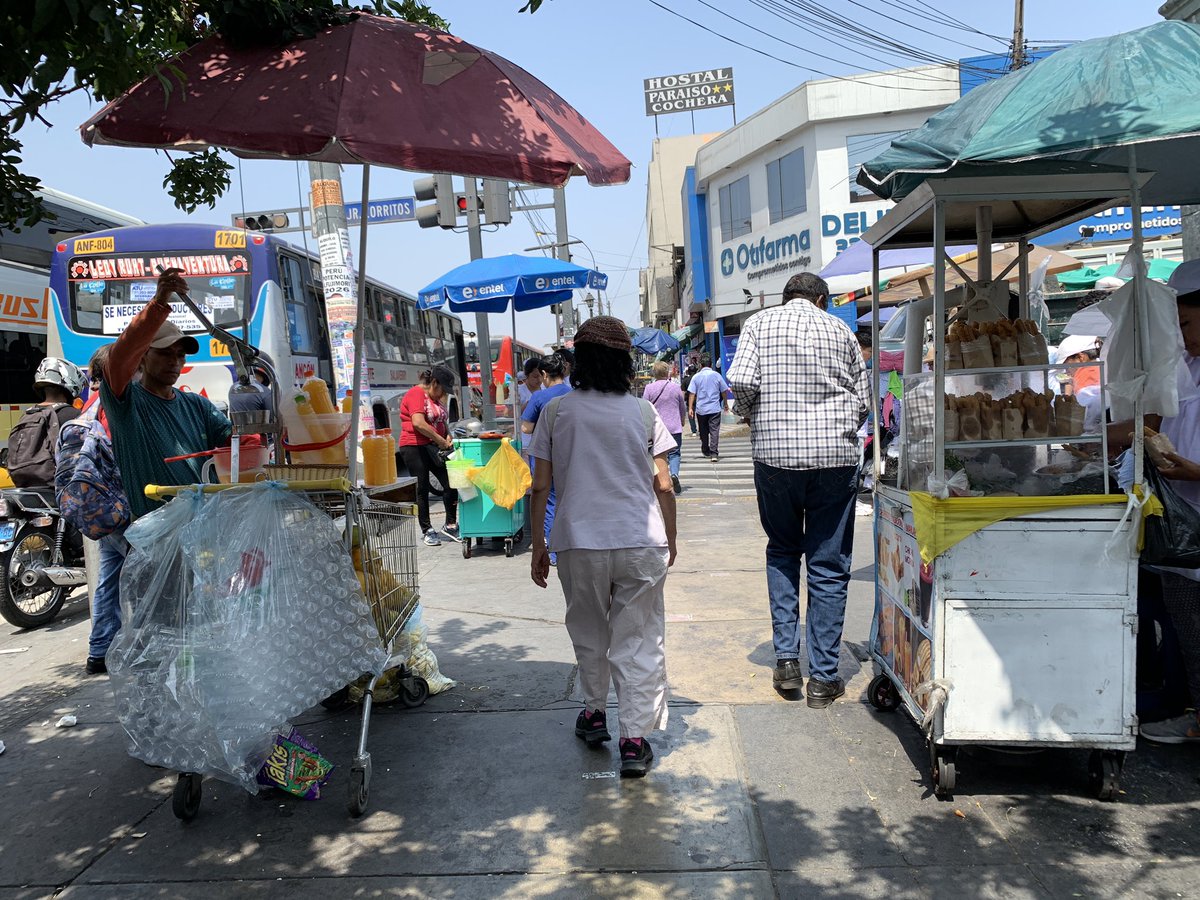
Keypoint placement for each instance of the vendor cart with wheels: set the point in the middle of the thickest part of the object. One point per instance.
(1006, 565)
(380, 540)
(480, 518)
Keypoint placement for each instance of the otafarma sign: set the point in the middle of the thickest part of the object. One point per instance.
(768, 256)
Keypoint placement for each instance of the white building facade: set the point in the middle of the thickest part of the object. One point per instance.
(776, 195)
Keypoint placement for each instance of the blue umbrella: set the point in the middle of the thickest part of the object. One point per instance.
(529, 282)
(653, 340)
(885, 315)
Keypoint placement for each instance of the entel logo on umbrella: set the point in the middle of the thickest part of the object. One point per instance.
(487, 290)
(543, 284)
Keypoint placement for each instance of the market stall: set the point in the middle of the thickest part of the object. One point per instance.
(1006, 561)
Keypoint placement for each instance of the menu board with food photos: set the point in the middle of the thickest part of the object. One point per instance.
(901, 634)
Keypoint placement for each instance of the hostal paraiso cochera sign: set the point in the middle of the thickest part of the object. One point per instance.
(689, 91)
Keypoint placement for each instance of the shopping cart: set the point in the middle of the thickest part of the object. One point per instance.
(381, 539)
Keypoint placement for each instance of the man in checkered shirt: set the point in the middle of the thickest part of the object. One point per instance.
(799, 378)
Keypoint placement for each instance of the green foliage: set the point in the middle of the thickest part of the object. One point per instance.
(198, 179)
(54, 48)
(531, 7)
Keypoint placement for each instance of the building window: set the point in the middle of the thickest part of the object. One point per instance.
(861, 148)
(785, 186)
(735, 208)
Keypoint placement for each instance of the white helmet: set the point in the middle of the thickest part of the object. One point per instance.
(59, 373)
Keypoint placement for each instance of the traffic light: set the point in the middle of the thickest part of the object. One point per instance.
(442, 213)
(497, 204)
(462, 203)
(263, 222)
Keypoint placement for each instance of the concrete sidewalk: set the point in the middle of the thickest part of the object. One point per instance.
(485, 792)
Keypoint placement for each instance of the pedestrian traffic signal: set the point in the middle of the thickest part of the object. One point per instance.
(497, 202)
(443, 213)
(262, 222)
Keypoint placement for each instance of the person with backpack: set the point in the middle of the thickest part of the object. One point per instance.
(91, 497)
(32, 440)
(614, 533)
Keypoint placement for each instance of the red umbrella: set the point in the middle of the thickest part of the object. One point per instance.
(374, 90)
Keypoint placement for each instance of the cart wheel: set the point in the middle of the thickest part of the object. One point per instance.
(188, 792)
(466, 545)
(519, 536)
(339, 699)
(882, 694)
(508, 547)
(942, 765)
(1104, 773)
(360, 791)
(414, 691)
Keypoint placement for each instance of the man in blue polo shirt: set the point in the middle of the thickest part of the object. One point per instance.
(707, 392)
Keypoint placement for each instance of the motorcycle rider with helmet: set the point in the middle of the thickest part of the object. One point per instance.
(32, 440)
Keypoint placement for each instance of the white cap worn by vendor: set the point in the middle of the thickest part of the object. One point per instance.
(169, 335)
(1073, 344)
(1186, 277)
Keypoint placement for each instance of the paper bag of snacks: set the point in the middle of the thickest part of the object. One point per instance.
(991, 419)
(1031, 346)
(970, 426)
(1013, 419)
(1158, 445)
(1003, 335)
(976, 347)
(950, 419)
(954, 357)
(1068, 417)
(1039, 418)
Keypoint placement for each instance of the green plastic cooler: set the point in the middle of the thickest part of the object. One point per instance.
(479, 517)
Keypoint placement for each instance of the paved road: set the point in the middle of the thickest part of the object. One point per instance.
(731, 476)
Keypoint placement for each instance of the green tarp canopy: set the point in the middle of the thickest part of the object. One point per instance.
(1085, 278)
(1089, 102)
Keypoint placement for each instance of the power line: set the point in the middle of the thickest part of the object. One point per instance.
(795, 65)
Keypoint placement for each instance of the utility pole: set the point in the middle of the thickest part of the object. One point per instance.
(340, 286)
(483, 338)
(563, 251)
(1018, 40)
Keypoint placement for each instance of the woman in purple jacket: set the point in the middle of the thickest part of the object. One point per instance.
(667, 398)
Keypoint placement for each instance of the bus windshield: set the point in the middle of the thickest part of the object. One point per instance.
(106, 292)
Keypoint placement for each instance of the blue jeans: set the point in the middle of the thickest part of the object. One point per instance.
(673, 456)
(809, 514)
(106, 603)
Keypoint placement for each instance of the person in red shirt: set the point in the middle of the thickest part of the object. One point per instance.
(424, 430)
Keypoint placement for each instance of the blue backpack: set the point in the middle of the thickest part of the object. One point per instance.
(88, 483)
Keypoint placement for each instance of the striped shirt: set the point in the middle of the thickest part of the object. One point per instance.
(799, 377)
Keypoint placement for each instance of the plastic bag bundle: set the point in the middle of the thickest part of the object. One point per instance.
(241, 611)
(505, 478)
(414, 643)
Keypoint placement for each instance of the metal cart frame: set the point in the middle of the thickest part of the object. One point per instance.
(1020, 596)
(385, 535)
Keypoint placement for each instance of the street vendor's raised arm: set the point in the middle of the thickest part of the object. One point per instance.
(134, 341)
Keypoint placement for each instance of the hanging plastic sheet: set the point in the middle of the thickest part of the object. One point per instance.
(240, 611)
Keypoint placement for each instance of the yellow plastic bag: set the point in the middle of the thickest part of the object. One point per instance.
(505, 478)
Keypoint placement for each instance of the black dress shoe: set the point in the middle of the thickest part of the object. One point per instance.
(95, 665)
(822, 693)
(788, 676)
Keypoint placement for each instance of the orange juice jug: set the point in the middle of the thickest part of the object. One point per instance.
(375, 465)
(394, 472)
(347, 404)
(318, 395)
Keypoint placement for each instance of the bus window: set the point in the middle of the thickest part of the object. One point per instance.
(107, 292)
(301, 328)
(392, 335)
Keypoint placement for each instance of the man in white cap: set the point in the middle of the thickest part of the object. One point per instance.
(150, 419)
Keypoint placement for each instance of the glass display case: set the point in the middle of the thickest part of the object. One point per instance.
(1027, 431)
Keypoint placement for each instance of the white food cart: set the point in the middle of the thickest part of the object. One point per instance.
(1018, 628)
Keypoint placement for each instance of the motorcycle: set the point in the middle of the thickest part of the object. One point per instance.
(41, 557)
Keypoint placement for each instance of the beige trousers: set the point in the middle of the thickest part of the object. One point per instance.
(616, 621)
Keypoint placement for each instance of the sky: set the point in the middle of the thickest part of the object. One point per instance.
(595, 53)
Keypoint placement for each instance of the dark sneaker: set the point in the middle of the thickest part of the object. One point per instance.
(592, 727)
(96, 665)
(714, 458)
(451, 531)
(788, 676)
(431, 539)
(675, 484)
(1183, 729)
(636, 756)
(822, 693)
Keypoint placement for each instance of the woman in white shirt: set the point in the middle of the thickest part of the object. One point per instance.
(614, 536)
